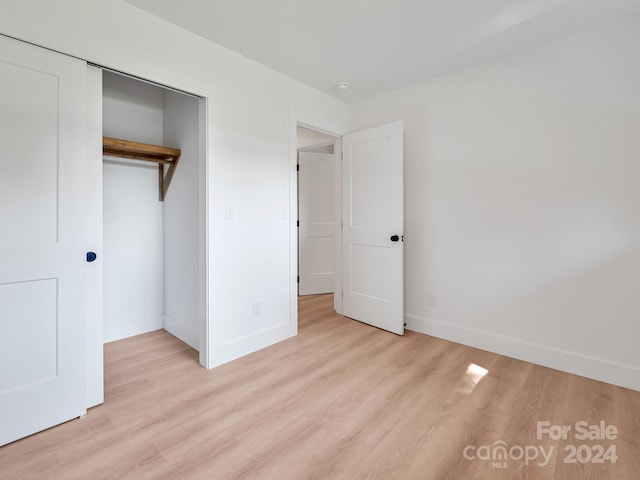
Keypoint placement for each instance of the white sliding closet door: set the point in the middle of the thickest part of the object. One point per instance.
(42, 239)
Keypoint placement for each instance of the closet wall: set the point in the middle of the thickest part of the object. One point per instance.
(183, 209)
(151, 248)
(133, 227)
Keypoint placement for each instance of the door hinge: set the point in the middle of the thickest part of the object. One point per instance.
(298, 223)
(298, 278)
(298, 167)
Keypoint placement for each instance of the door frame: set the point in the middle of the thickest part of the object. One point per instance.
(297, 119)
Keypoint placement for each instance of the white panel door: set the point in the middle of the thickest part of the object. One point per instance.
(42, 239)
(316, 234)
(373, 227)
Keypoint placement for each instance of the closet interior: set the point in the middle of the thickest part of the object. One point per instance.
(152, 210)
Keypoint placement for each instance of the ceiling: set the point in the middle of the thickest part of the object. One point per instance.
(311, 138)
(381, 45)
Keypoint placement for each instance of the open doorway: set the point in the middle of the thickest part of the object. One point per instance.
(369, 237)
(318, 218)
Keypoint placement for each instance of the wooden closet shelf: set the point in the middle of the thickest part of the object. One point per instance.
(115, 147)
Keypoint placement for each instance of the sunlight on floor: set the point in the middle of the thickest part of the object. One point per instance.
(472, 376)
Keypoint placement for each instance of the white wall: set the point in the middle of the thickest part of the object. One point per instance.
(523, 203)
(181, 221)
(321, 149)
(133, 223)
(251, 162)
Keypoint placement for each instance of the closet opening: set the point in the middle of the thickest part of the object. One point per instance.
(153, 211)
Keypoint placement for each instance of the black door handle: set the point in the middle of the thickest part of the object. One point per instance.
(395, 238)
(91, 257)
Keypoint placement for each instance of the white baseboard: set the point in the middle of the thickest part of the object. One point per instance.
(118, 331)
(178, 330)
(244, 345)
(596, 368)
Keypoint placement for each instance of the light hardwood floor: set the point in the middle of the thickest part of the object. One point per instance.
(342, 400)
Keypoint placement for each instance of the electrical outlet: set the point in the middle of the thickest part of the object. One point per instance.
(255, 309)
(433, 299)
(228, 212)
